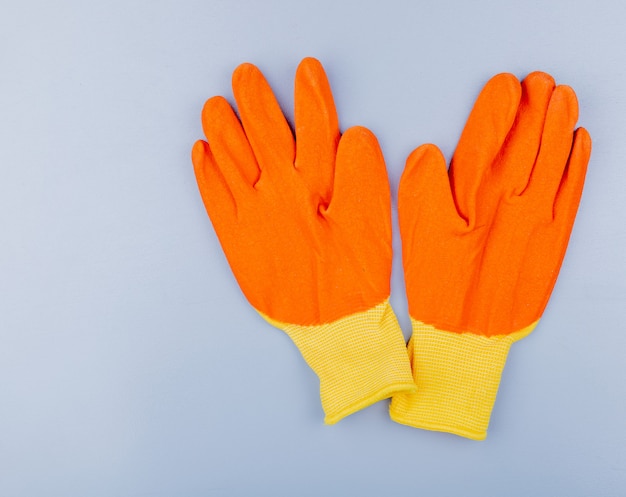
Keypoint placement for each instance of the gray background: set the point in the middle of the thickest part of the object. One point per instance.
(130, 363)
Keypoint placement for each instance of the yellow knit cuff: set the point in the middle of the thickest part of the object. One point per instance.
(457, 377)
(359, 359)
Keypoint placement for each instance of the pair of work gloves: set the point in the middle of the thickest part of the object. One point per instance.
(305, 223)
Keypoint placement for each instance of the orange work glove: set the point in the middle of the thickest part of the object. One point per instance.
(306, 227)
(483, 243)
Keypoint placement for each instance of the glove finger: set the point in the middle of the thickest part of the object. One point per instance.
(425, 201)
(571, 187)
(264, 123)
(522, 144)
(317, 128)
(482, 139)
(229, 145)
(556, 145)
(429, 227)
(218, 199)
(361, 201)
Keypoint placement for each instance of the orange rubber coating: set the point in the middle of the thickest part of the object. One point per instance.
(304, 221)
(483, 241)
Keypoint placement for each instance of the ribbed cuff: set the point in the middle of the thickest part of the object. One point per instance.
(457, 377)
(359, 359)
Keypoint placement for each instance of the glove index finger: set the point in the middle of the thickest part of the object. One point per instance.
(556, 145)
(482, 139)
(522, 144)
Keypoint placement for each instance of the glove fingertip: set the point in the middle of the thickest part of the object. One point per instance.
(214, 112)
(495, 108)
(427, 152)
(359, 155)
(539, 78)
(243, 73)
(199, 153)
(504, 81)
(362, 135)
(564, 98)
(425, 164)
(309, 66)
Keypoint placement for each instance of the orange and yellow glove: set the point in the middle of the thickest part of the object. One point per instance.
(305, 224)
(483, 243)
